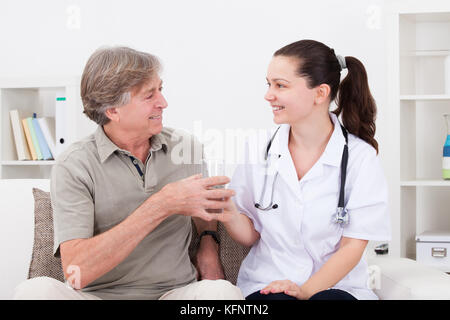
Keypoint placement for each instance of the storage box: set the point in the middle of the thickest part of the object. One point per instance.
(433, 249)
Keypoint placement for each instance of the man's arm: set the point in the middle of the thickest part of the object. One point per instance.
(98, 255)
(207, 260)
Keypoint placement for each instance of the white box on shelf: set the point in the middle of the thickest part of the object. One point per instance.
(433, 249)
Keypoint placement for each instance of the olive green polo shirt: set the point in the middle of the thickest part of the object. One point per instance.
(95, 185)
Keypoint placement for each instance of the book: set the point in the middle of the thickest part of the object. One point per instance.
(34, 138)
(26, 129)
(48, 129)
(46, 154)
(19, 136)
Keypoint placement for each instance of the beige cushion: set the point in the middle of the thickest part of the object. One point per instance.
(43, 263)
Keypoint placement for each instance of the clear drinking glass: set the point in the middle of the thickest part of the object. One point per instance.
(211, 168)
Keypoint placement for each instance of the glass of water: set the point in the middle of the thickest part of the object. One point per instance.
(214, 167)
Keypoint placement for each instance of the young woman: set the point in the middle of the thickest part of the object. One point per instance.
(309, 207)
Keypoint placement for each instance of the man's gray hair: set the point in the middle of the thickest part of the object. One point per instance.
(110, 75)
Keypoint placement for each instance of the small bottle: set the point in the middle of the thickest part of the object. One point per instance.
(446, 151)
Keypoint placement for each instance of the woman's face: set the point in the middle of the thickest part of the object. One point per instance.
(287, 93)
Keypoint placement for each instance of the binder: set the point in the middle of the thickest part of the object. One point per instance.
(26, 129)
(60, 124)
(48, 130)
(46, 154)
(34, 138)
(19, 136)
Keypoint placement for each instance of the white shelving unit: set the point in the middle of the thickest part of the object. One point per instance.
(38, 95)
(419, 43)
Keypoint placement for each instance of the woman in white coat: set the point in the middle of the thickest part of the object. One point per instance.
(286, 201)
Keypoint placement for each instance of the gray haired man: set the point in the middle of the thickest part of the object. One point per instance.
(122, 205)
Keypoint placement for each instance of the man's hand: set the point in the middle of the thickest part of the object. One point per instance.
(193, 195)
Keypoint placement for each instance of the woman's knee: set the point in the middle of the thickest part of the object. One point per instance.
(332, 294)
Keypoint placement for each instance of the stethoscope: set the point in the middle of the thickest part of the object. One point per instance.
(341, 216)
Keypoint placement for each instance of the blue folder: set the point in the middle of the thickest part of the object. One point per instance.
(46, 154)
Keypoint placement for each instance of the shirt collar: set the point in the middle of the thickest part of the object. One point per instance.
(335, 146)
(106, 147)
(158, 142)
(333, 151)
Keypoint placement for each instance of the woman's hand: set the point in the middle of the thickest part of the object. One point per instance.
(287, 287)
(239, 226)
(230, 213)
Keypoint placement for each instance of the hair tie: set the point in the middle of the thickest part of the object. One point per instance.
(341, 61)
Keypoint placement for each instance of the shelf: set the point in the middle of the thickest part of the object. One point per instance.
(426, 53)
(28, 163)
(425, 183)
(429, 17)
(38, 95)
(425, 97)
(39, 82)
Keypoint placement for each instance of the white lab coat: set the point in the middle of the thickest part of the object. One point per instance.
(299, 236)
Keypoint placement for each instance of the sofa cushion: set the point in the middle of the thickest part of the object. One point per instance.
(406, 279)
(43, 263)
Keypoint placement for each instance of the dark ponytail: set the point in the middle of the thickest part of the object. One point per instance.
(319, 65)
(356, 103)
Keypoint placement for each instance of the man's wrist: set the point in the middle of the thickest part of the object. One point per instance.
(158, 205)
(213, 234)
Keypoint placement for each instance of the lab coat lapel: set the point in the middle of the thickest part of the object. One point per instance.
(279, 153)
(333, 152)
(285, 165)
(288, 173)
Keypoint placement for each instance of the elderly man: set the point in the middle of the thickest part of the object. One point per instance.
(123, 203)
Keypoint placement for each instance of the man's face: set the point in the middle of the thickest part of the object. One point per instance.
(143, 114)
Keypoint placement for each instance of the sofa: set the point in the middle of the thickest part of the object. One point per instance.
(27, 243)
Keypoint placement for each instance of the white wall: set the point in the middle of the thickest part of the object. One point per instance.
(16, 238)
(215, 52)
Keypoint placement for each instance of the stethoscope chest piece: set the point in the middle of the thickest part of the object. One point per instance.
(341, 217)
